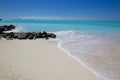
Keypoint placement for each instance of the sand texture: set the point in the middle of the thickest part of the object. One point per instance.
(39, 60)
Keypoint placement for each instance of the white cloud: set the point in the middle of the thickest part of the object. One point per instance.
(55, 18)
(46, 18)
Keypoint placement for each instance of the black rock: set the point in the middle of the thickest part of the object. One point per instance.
(6, 28)
(20, 35)
(23, 35)
(31, 36)
(51, 35)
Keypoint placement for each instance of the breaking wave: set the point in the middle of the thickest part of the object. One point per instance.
(100, 54)
(17, 29)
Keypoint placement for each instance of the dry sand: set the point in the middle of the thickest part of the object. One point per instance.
(39, 60)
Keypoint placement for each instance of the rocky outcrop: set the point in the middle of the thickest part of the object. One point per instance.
(6, 28)
(23, 35)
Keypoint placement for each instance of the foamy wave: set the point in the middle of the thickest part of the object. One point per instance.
(70, 35)
(97, 53)
(17, 29)
(68, 41)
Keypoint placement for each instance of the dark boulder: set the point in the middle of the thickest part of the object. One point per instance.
(23, 35)
(6, 28)
(51, 35)
(20, 35)
(31, 37)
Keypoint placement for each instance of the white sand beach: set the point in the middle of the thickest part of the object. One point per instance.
(39, 60)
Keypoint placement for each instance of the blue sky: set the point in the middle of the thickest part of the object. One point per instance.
(71, 9)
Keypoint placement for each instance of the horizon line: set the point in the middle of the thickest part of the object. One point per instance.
(57, 18)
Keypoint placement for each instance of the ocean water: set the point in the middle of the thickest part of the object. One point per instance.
(95, 44)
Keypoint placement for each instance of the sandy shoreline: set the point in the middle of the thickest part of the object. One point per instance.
(39, 60)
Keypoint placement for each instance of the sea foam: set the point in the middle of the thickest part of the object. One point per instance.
(100, 54)
(18, 28)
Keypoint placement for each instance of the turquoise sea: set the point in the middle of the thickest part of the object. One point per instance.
(95, 44)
